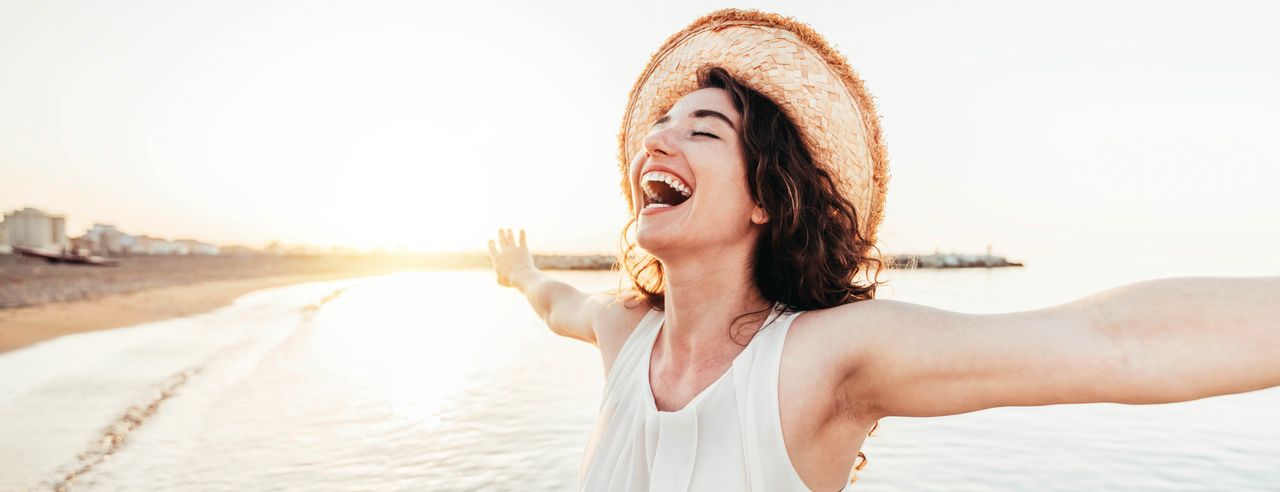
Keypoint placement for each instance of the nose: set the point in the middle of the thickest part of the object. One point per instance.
(658, 142)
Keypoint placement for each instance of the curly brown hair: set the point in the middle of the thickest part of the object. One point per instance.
(811, 252)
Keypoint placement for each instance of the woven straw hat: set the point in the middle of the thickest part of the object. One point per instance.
(789, 63)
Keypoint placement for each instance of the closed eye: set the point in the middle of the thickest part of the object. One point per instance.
(705, 134)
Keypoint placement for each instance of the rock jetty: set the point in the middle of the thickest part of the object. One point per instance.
(574, 262)
(909, 261)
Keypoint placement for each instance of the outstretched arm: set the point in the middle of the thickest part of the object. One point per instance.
(566, 310)
(1157, 341)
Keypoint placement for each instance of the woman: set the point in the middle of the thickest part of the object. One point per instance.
(749, 353)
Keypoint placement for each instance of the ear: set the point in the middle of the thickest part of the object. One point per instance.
(759, 216)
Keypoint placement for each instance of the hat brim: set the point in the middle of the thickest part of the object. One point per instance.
(793, 66)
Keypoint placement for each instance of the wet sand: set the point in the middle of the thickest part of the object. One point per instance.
(20, 327)
(40, 301)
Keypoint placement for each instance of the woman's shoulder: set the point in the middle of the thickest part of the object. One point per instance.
(846, 340)
(623, 311)
(852, 327)
(870, 312)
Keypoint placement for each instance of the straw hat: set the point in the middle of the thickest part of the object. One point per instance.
(789, 63)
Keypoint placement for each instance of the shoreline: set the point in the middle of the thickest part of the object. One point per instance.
(41, 301)
(25, 326)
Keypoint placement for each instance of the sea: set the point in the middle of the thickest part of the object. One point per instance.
(446, 381)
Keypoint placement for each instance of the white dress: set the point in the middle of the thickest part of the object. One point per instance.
(728, 438)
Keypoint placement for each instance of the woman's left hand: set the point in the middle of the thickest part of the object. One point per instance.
(509, 257)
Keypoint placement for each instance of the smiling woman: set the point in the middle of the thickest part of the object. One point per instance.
(806, 242)
(756, 177)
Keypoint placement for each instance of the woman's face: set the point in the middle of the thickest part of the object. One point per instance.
(689, 185)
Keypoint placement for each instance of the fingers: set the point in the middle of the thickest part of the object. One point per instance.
(507, 239)
(503, 239)
(493, 251)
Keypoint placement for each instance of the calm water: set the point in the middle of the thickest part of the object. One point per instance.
(445, 381)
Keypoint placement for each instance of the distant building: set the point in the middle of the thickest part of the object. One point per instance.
(147, 245)
(36, 229)
(107, 240)
(33, 228)
(193, 247)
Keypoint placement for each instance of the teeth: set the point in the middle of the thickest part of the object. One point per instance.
(667, 178)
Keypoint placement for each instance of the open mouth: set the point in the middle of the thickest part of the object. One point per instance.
(663, 190)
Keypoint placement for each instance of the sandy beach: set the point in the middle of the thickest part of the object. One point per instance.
(40, 301)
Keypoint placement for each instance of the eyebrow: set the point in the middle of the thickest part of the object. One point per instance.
(700, 113)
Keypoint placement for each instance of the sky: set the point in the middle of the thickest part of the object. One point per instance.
(1038, 129)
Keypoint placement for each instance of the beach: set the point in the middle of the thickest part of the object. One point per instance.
(40, 300)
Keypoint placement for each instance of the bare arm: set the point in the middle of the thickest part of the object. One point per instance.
(1158, 341)
(566, 310)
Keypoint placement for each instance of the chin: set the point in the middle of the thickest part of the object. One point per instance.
(656, 242)
(650, 240)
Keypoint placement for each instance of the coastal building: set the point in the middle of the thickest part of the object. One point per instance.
(34, 228)
(106, 239)
(148, 245)
(193, 247)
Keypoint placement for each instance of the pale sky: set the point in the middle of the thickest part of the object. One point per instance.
(1078, 127)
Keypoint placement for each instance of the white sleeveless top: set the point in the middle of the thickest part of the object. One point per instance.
(729, 437)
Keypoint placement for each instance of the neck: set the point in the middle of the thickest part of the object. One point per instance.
(703, 295)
